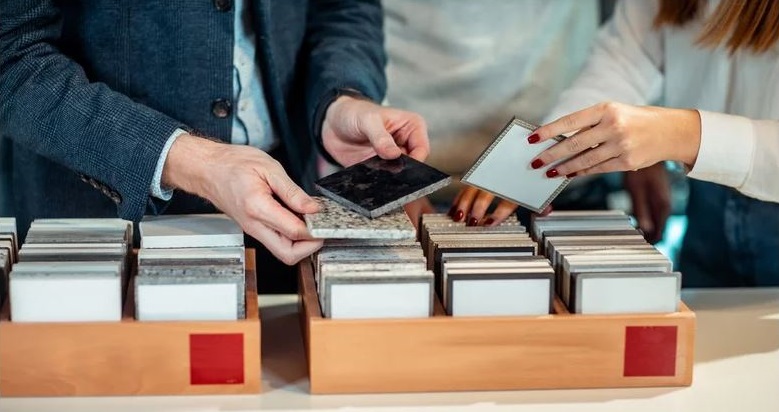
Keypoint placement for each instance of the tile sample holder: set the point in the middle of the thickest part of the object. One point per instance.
(443, 353)
(131, 357)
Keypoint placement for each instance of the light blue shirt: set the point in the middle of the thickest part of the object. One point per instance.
(251, 117)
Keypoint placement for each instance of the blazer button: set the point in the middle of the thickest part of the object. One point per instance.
(223, 5)
(221, 108)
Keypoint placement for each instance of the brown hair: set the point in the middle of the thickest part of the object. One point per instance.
(750, 24)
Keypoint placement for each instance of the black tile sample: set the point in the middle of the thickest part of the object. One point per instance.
(376, 186)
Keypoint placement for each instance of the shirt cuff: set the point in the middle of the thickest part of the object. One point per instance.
(156, 188)
(726, 151)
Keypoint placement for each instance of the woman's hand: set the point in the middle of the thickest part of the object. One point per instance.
(614, 137)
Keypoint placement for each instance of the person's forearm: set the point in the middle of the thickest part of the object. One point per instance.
(186, 167)
(685, 126)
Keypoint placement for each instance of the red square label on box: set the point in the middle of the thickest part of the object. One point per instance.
(650, 351)
(216, 359)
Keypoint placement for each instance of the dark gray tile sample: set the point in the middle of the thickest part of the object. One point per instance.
(376, 186)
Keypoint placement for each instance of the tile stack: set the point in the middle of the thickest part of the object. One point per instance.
(190, 267)
(369, 268)
(603, 265)
(71, 270)
(9, 247)
(486, 271)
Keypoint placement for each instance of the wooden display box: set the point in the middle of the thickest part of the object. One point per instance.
(131, 357)
(444, 353)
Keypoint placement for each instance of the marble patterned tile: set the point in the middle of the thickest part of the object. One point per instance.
(376, 243)
(376, 186)
(192, 256)
(335, 221)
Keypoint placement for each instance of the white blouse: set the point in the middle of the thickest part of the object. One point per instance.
(737, 96)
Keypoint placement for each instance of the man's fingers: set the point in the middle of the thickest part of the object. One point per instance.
(290, 193)
(417, 143)
(288, 251)
(419, 152)
(381, 140)
(270, 213)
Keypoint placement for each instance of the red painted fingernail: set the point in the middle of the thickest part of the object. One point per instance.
(537, 163)
(533, 138)
(570, 175)
(472, 221)
(551, 173)
(452, 211)
(458, 216)
(489, 221)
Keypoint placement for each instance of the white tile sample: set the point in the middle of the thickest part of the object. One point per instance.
(504, 169)
(184, 231)
(184, 275)
(217, 301)
(66, 292)
(609, 293)
(500, 297)
(391, 300)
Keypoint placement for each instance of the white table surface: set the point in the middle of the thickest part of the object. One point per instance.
(736, 369)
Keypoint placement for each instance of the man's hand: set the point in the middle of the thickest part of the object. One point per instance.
(355, 129)
(242, 181)
(650, 194)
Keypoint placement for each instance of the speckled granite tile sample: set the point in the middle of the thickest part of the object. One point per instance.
(376, 186)
(334, 221)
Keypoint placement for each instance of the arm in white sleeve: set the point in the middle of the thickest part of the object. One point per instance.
(741, 153)
(625, 65)
(156, 188)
